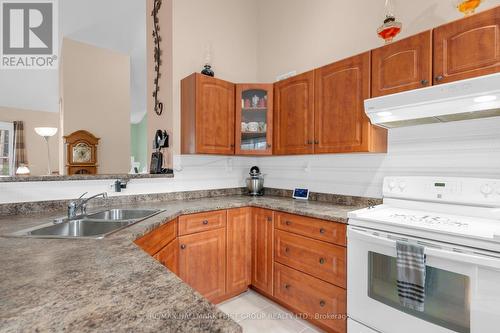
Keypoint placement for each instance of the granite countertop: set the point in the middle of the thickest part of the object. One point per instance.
(111, 284)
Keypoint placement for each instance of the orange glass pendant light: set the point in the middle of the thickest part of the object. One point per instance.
(467, 7)
(391, 27)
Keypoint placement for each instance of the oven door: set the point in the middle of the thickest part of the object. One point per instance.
(462, 287)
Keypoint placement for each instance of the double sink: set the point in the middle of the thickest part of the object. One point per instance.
(96, 225)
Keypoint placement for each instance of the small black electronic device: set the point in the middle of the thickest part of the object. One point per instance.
(160, 142)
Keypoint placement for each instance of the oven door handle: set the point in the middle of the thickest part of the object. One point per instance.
(475, 258)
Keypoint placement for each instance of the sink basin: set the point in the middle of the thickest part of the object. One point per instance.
(122, 214)
(96, 225)
(79, 228)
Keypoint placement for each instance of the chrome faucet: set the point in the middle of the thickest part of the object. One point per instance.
(81, 204)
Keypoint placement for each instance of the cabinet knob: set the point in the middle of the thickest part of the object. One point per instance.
(322, 231)
(309, 142)
(232, 146)
(322, 303)
(287, 286)
(288, 222)
(269, 219)
(424, 82)
(439, 78)
(183, 246)
(287, 250)
(322, 261)
(205, 222)
(316, 142)
(269, 145)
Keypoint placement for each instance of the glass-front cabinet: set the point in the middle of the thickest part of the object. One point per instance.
(254, 119)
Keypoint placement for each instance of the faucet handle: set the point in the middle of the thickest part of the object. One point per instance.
(81, 196)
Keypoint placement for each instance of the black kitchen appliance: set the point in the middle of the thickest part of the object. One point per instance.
(160, 142)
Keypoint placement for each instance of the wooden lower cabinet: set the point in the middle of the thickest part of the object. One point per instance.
(239, 250)
(169, 256)
(159, 238)
(262, 250)
(202, 263)
(323, 260)
(320, 302)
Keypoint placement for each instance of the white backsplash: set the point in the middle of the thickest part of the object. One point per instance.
(462, 149)
(465, 149)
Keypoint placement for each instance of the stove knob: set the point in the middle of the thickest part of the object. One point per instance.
(486, 190)
(392, 185)
(402, 186)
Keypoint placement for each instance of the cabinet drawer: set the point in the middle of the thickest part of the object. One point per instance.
(193, 223)
(319, 300)
(158, 238)
(319, 259)
(319, 229)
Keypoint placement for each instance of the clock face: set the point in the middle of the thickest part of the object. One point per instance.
(82, 153)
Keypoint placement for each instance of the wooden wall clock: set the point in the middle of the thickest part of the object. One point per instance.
(81, 154)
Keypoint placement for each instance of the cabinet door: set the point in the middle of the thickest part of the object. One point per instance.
(239, 250)
(169, 256)
(341, 125)
(202, 262)
(467, 48)
(254, 119)
(262, 250)
(401, 66)
(294, 115)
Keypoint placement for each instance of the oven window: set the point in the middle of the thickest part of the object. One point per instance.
(446, 293)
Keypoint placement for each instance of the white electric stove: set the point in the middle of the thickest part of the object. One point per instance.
(457, 220)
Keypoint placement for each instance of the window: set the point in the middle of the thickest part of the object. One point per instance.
(6, 149)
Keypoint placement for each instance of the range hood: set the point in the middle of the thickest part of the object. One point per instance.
(462, 100)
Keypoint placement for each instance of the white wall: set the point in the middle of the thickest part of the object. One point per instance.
(461, 149)
(195, 173)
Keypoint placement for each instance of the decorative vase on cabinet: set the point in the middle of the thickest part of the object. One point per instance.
(254, 119)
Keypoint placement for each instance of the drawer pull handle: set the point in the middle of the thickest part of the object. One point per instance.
(205, 222)
(322, 303)
(287, 250)
(288, 222)
(287, 286)
(322, 231)
(269, 219)
(322, 261)
(183, 246)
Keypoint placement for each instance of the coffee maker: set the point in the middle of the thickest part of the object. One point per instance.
(160, 142)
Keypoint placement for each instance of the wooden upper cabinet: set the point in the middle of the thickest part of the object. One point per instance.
(294, 115)
(239, 250)
(467, 48)
(341, 125)
(262, 250)
(403, 65)
(202, 263)
(207, 115)
(254, 119)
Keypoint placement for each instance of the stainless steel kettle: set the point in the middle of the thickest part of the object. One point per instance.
(255, 183)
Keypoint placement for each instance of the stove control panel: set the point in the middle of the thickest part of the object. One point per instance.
(476, 191)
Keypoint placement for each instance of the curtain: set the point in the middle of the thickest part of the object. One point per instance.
(20, 154)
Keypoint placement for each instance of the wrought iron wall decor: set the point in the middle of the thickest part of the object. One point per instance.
(157, 56)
